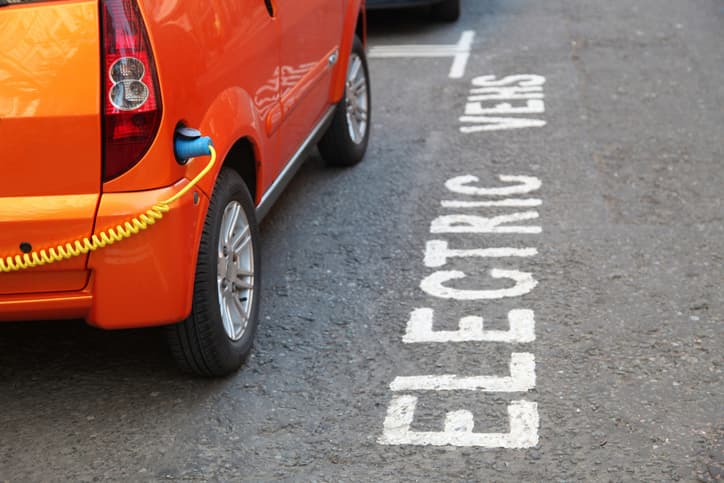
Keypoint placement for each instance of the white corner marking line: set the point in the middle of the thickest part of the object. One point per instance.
(460, 52)
(457, 71)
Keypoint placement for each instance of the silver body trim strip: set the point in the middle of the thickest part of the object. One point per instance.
(292, 166)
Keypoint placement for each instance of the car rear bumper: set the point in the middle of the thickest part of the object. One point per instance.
(142, 281)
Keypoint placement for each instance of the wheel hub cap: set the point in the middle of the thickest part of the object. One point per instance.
(235, 271)
(356, 99)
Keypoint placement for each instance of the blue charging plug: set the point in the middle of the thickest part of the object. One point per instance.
(188, 143)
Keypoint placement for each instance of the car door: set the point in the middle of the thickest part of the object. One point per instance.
(311, 32)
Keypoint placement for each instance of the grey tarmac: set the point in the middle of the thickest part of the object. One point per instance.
(629, 304)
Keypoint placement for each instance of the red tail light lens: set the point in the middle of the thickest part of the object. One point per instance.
(131, 99)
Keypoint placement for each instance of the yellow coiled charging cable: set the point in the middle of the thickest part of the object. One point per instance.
(105, 238)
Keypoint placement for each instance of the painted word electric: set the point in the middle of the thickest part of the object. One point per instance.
(441, 284)
(502, 104)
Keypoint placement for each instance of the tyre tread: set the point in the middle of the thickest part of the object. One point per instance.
(195, 343)
(336, 146)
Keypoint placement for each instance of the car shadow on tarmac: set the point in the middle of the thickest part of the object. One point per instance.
(27, 348)
(390, 23)
(400, 21)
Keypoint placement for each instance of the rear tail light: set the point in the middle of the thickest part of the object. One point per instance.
(131, 99)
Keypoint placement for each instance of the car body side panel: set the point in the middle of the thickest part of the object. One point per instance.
(353, 10)
(148, 279)
(225, 100)
(232, 116)
(203, 50)
(311, 33)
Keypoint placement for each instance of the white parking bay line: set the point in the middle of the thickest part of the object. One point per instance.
(457, 71)
(460, 52)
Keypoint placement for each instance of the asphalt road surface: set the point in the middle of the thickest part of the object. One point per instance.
(596, 262)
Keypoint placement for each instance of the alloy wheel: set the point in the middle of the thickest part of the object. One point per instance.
(357, 99)
(235, 272)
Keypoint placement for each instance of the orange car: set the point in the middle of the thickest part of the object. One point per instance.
(101, 106)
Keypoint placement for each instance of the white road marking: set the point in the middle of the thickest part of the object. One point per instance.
(437, 253)
(482, 224)
(504, 93)
(459, 425)
(483, 115)
(532, 106)
(460, 52)
(509, 203)
(486, 123)
(420, 329)
(394, 51)
(522, 80)
(457, 71)
(526, 184)
(434, 285)
(521, 379)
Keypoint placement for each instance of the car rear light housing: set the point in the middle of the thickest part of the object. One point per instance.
(131, 98)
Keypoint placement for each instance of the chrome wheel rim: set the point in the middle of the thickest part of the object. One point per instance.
(235, 271)
(356, 99)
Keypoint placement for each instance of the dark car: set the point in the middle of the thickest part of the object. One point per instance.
(445, 10)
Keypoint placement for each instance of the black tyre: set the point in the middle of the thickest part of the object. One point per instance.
(217, 337)
(446, 11)
(346, 139)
